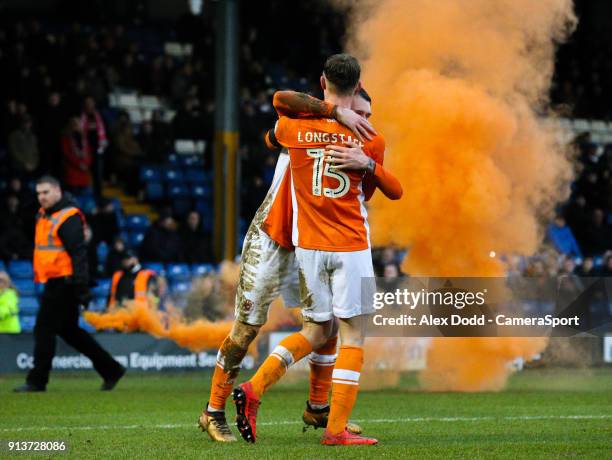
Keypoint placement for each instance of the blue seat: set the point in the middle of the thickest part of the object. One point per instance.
(27, 323)
(2, 266)
(154, 191)
(25, 287)
(28, 305)
(102, 252)
(173, 175)
(190, 160)
(85, 325)
(201, 191)
(196, 175)
(173, 159)
(180, 287)
(157, 267)
(98, 304)
(136, 221)
(102, 287)
(202, 269)
(178, 191)
(598, 261)
(135, 238)
(150, 174)
(178, 272)
(204, 208)
(20, 269)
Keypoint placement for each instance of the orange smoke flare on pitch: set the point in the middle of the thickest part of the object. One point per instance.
(140, 317)
(195, 335)
(456, 90)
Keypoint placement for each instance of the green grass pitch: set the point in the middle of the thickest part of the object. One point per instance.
(542, 414)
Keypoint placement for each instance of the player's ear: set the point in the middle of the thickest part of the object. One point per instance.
(323, 83)
(358, 87)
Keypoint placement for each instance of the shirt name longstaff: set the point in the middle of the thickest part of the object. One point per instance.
(318, 137)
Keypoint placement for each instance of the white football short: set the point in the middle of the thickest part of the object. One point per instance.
(267, 270)
(337, 284)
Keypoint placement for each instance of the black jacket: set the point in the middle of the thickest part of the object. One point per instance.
(72, 234)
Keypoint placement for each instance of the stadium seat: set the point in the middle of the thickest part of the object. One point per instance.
(178, 272)
(184, 146)
(102, 287)
(98, 304)
(154, 191)
(180, 287)
(196, 175)
(150, 173)
(25, 287)
(598, 261)
(150, 102)
(27, 323)
(83, 324)
(2, 266)
(157, 267)
(201, 191)
(188, 161)
(102, 252)
(173, 175)
(28, 305)
(178, 191)
(173, 159)
(135, 222)
(135, 238)
(202, 269)
(20, 269)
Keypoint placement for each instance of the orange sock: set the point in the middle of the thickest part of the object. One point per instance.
(229, 358)
(345, 379)
(322, 363)
(291, 349)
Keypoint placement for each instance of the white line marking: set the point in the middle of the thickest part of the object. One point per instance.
(294, 422)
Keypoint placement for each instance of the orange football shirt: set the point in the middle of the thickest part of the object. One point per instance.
(328, 205)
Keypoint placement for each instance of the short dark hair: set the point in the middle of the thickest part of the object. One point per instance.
(364, 94)
(48, 179)
(343, 72)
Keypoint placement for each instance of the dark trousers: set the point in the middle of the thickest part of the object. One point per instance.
(59, 315)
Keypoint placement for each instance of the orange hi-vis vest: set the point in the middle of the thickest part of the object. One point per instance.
(51, 260)
(140, 286)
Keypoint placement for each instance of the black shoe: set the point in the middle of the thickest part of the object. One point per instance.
(109, 384)
(29, 388)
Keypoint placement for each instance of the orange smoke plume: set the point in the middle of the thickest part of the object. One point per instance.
(140, 317)
(458, 89)
(195, 335)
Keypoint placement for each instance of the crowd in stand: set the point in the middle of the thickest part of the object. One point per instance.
(56, 118)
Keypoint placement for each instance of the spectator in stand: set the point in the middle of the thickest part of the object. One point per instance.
(95, 140)
(23, 148)
(52, 121)
(162, 242)
(196, 245)
(598, 235)
(154, 140)
(14, 237)
(103, 221)
(587, 268)
(606, 269)
(114, 257)
(9, 310)
(127, 153)
(562, 238)
(76, 158)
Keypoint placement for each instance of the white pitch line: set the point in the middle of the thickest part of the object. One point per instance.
(294, 422)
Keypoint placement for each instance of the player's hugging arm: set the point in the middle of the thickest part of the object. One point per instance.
(299, 105)
(292, 104)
